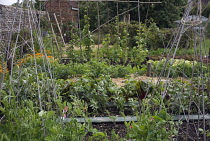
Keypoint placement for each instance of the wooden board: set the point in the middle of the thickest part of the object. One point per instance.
(133, 118)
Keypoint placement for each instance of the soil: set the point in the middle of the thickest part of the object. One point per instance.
(193, 131)
(119, 128)
(112, 111)
(121, 81)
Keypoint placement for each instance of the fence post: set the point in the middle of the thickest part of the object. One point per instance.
(149, 69)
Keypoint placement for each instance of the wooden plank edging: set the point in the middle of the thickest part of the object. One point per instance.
(133, 118)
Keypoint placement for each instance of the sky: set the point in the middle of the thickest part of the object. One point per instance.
(8, 2)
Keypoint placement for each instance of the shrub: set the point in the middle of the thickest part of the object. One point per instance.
(93, 68)
(153, 36)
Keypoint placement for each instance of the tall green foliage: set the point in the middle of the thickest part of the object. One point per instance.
(167, 12)
(164, 13)
(89, 9)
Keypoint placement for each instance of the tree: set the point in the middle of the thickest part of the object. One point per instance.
(163, 14)
(90, 9)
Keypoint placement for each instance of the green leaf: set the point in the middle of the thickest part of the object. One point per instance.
(93, 130)
(156, 101)
(48, 138)
(157, 118)
(50, 113)
(99, 134)
(163, 114)
(2, 109)
(3, 92)
(54, 130)
(4, 137)
(105, 139)
(208, 134)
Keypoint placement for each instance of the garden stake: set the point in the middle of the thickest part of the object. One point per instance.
(149, 69)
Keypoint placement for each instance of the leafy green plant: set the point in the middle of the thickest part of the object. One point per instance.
(137, 89)
(93, 91)
(106, 46)
(23, 120)
(98, 136)
(151, 126)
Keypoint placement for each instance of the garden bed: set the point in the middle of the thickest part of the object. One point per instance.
(194, 134)
(198, 58)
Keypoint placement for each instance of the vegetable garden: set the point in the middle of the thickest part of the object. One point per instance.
(95, 86)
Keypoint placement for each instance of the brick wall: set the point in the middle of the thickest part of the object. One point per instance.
(65, 11)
